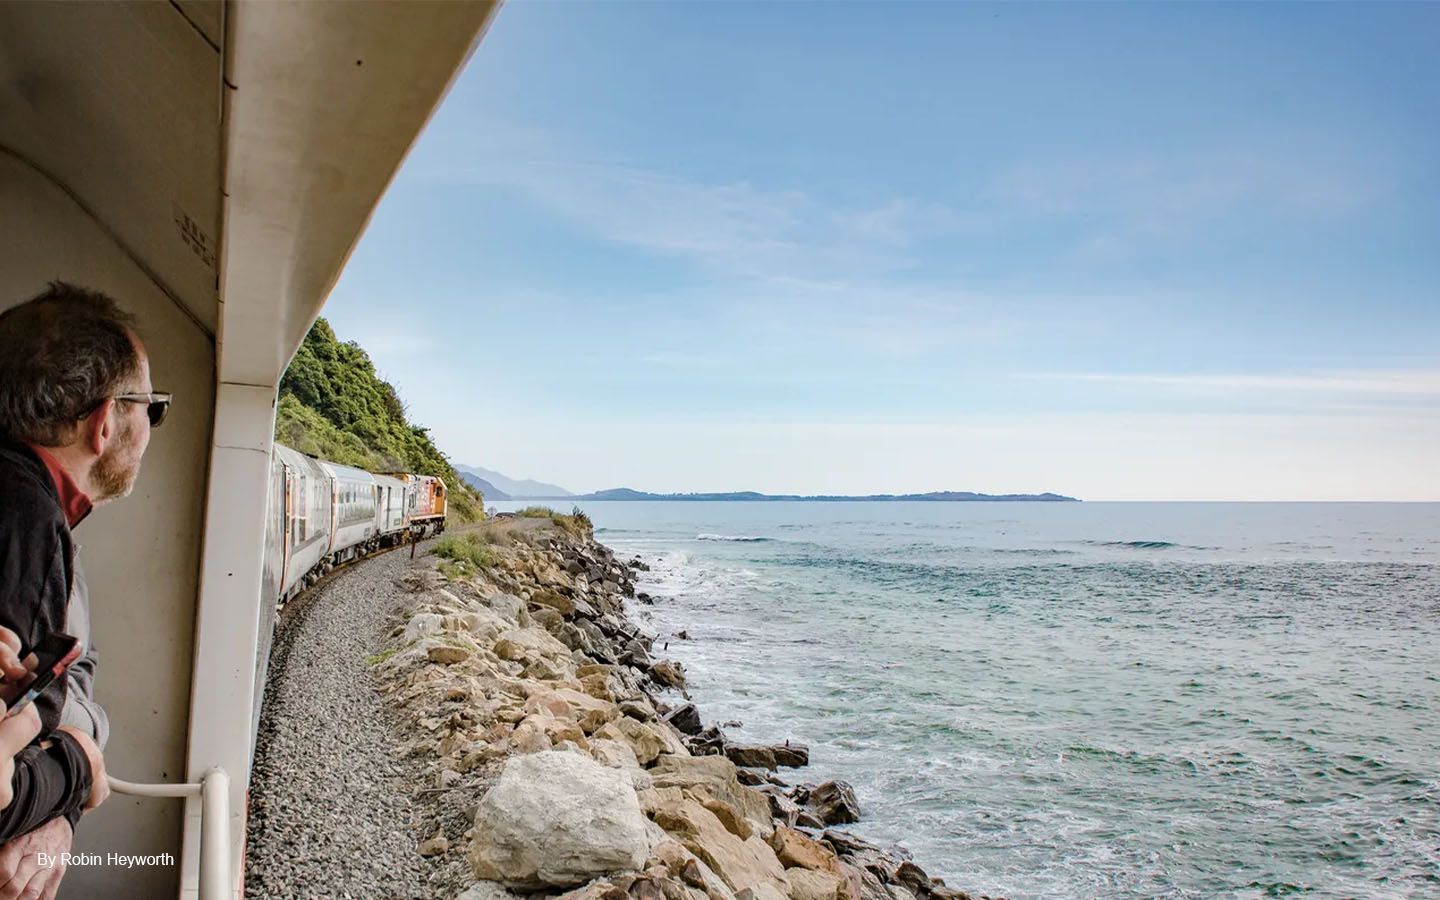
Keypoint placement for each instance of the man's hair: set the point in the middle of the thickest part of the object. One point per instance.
(61, 354)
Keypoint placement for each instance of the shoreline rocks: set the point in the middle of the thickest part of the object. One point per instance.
(557, 819)
(562, 770)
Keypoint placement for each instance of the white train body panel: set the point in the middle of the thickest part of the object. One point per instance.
(352, 518)
(308, 515)
(390, 498)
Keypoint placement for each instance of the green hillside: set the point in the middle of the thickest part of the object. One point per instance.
(334, 406)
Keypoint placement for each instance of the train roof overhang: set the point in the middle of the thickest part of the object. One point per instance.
(211, 164)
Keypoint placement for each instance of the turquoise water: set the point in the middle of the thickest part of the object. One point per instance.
(1082, 700)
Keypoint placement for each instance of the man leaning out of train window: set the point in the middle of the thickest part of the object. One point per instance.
(76, 409)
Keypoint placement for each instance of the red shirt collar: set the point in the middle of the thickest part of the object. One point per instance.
(73, 501)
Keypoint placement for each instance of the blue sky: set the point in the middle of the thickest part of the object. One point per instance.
(1115, 251)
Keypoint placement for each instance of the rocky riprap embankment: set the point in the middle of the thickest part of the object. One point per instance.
(558, 768)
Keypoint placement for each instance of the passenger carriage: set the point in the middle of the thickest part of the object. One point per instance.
(391, 515)
(353, 530)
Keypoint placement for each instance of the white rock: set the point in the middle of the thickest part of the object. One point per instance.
(557, 819)
(421, 625)
(510, 607)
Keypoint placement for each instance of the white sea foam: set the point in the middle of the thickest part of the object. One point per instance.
(738, 538)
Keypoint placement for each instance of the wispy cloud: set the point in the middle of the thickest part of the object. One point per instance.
(733, 226)
(1114, 208)
(736, 227)
(1259, 176)
(1414, 382)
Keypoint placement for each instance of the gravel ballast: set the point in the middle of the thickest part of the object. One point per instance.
(334, 812)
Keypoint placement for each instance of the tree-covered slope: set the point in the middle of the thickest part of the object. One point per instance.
(334, 406)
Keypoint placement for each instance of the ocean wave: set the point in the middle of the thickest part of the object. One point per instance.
(733, 537)
(1022, 551)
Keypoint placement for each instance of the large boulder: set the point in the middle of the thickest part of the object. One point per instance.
(509, 607)
(422, 625)
(791, 755)
(713, 777)
(689, 869)
(483, 623)
(548, 619)
(810, 884)
(556, 601)
(614, 754)
(598, 641)
(649, 739)
(834, 803)
(798, 850)
(527, 643)
(669, 674)
(751, 756)
(557, 820)
(448, 654)
(575, 638)
(686, 719)
(740, 863)
(564, 703)
(782, 808)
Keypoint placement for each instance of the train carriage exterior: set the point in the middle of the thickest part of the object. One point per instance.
(391, 495)
(305, 542)
(353, 529)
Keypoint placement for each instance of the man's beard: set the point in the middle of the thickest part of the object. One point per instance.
(115, 471)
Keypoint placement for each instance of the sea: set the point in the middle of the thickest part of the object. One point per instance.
(1079, 700)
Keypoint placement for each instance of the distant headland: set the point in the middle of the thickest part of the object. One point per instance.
(496, 486)
(934, 496)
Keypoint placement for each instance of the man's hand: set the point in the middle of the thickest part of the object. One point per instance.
(21, 875)
(15, 732)
(16, 672)
(99, 787)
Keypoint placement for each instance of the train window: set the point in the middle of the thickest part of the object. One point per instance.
(297, 510)
(302, 508)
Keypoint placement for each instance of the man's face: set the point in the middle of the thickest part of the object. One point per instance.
(117, 468)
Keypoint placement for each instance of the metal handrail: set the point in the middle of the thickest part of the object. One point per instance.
(214, 793)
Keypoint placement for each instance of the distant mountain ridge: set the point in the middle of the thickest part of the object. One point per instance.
(503, 487)
(486, 489)
(496, 486)
(753, 496)
(934, 496)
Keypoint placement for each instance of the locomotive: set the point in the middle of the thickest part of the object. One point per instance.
(323, 514)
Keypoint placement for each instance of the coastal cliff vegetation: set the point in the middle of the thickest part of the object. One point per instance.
(333, 405)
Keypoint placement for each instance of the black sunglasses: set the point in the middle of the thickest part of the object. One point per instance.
(157, 404)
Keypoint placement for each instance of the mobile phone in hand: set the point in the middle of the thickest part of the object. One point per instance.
(54, 654)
